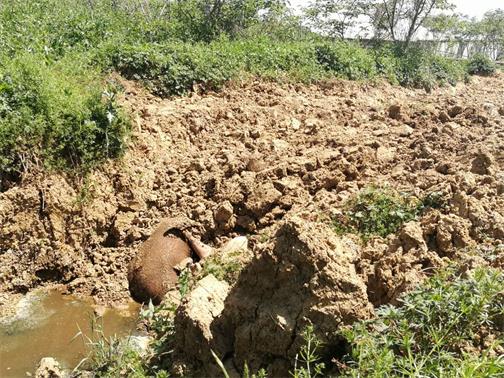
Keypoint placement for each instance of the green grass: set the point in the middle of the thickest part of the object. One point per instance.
(110, 356)
(115, 357)
(450, 327)
(381, 212)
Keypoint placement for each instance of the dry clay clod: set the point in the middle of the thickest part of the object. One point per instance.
(153, 271)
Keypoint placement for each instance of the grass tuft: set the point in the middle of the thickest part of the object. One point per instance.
(381, 211)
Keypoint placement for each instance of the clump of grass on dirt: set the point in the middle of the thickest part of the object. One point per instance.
(381, 211)
(109, 356)
(451, 326)
(116, 357)
(223, 267)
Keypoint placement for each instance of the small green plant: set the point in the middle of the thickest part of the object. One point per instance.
(110, 357)
(382, 211)
(307, 363)
(377, 212)
(261, 373)
(480, 64)
(436, 331)
(186, 281)
(225, 268)
(160, 322)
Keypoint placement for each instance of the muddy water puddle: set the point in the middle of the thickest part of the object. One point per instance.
(46, 325)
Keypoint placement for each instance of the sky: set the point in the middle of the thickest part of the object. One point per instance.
(476, 8)
(472, 8)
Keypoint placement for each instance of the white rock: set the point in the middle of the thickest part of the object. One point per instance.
(240, 243)
(139, 344)
(405, 131)
(295, 124)
(385, 154)
(48, 368)
(279, 144)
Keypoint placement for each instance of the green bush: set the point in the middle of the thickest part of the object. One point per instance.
(480, 64)
(346, 60)
(386, 63)
(447, 71)
(174, 69)
(287, 60)
(418, 67)
(56, 116)
(435, 332)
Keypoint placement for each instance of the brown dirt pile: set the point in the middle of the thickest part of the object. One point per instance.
(243, 160)
(305, 275)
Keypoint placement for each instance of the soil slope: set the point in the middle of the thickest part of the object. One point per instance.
(240, 161)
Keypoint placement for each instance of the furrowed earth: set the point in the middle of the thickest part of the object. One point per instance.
(277, 163)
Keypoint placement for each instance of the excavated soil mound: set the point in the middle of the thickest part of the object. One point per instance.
(246, 159)
(306, 275)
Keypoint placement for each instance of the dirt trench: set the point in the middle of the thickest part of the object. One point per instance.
(255, 156)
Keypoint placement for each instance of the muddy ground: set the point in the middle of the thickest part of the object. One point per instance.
(261, 159)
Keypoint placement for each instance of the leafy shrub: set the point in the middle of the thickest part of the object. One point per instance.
(435, 332)
(266, 58)
(347, 60)
(447, 71)
(420, 68)
(480, 64)
(174, 69)
(56, 115)
(386, 63)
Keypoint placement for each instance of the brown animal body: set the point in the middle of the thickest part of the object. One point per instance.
(151, 274)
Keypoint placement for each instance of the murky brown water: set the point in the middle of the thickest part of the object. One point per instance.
(46, 326)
